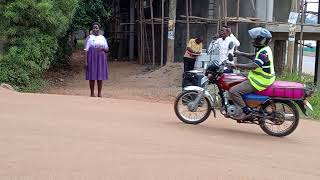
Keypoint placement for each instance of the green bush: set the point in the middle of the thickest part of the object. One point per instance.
(32, 30)
(37, 34)
(64, 51)
(25, 61)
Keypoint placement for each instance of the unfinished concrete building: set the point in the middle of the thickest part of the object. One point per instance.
(139, 28)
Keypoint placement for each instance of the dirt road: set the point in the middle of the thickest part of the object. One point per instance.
(81, 138)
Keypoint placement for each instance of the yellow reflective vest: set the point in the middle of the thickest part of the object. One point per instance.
(260, 79)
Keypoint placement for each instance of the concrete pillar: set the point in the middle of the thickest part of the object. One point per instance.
(282, 10)
(131, 35)
(246, 10)
(269, 15)
(264, 9)
(261, 9)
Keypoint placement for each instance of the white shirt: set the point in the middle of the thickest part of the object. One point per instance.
(220, 47)
(96, 42)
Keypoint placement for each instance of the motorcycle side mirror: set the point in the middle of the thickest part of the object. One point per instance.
(231, 45)
(230, 57)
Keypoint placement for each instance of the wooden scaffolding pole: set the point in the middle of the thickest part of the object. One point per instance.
(139, 33)
(317, 65)
(142, 31)
(188, 21)
(219, 17)
(162, 30)
(238, 14)
(132, 30)
(153, 39)
(225, 13)
(303, 7)
(147, 44)
(190, 7)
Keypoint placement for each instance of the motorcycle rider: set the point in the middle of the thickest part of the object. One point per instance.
(261, 71)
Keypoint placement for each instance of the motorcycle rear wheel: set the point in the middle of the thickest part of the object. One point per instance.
(183, 100)
(283, 112)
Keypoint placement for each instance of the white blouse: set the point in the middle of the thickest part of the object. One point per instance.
(96, 42)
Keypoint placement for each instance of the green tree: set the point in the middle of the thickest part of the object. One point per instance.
(90, 11)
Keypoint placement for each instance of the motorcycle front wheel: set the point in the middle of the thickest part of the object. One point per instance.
(189, 114)
(283, 118)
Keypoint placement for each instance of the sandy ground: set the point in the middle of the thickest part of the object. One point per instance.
(127, 80)
(129, 135)
(46, 137)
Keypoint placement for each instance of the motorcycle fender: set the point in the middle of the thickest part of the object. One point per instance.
(197, 88)
(302, 107)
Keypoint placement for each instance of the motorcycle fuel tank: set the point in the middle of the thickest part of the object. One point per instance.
(226, 81)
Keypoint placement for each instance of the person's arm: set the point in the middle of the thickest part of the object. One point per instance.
(260, 61)
(249, 66)
(235, 41)
(191, 50)
(247, 55)
(105, 47)
(213, 45)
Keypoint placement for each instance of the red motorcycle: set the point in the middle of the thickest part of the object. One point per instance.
(274, 109)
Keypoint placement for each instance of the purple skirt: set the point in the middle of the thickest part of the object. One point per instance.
(97, 68)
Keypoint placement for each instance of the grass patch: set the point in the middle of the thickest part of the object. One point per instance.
(308, 80)
(315, 101)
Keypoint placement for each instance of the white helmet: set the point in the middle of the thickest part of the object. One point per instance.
(261, 36)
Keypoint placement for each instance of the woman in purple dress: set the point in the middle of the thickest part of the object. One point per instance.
(96, 59)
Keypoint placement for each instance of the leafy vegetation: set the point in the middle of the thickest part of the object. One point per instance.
(32, 29)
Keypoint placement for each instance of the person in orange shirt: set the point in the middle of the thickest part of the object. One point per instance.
(194, 49)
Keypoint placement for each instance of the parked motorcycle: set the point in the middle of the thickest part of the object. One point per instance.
(275, 109)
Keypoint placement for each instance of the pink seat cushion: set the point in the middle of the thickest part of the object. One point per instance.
(284, 89)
